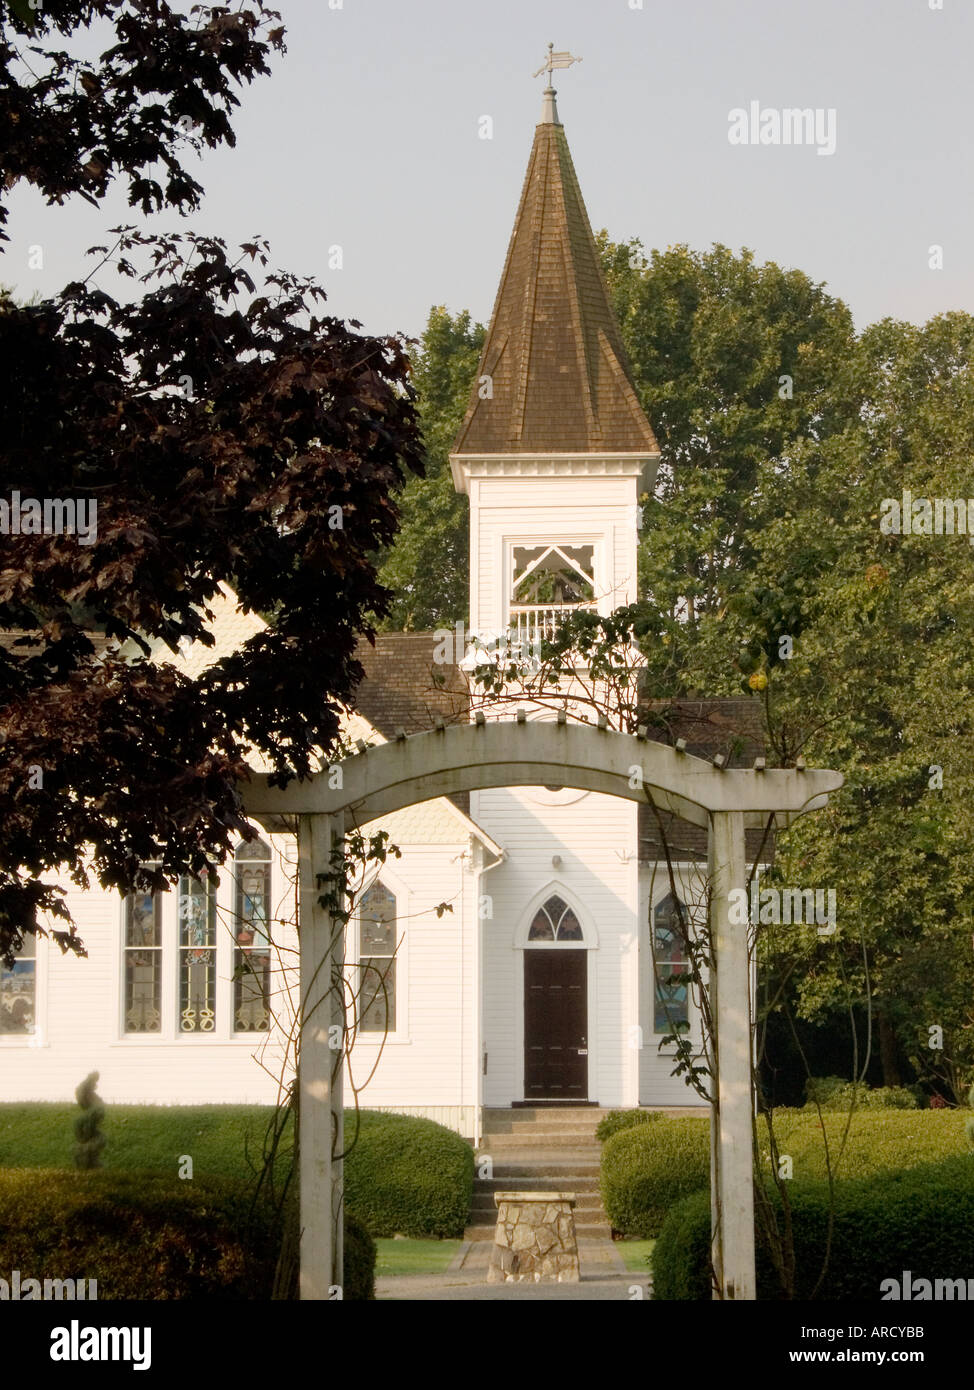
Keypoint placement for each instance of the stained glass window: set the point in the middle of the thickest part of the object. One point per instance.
(197, 953)
(143, 962)
(252, 954)
(377, 962)
(671, 1003)
(555, 921)
(18, 990)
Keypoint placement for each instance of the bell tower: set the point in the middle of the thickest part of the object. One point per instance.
(554, 452)
(554, 449)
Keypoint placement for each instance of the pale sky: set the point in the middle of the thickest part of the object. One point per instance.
(366, 137)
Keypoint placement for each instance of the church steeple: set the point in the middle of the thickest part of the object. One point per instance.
(553, 377)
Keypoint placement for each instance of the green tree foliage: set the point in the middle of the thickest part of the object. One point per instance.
(427, 567)
(732, 361)
(880, 686)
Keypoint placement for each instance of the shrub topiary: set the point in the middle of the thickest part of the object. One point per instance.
(359, 1261)
(87, 1127)
(139, 1235)
(407, 1176)
(919, 1220)
(646, 1169)
(622, 1119)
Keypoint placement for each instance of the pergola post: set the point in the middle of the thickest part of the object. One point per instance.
(383, 779)
(732, 1144)
(321, 1061)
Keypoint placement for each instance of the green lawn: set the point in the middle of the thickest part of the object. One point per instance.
(414, 1256)
(224, 1141)
(635, 1254)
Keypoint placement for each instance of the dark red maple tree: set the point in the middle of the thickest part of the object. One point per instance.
(229, 432)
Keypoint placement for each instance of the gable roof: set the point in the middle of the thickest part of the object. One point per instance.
(399, 690)
(560, 377)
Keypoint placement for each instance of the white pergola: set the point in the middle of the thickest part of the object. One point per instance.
(517, 753)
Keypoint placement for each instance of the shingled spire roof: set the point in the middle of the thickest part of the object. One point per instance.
(559, 375)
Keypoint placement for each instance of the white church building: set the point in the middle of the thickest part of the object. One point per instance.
(554, 971)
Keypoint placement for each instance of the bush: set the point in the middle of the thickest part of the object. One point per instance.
(140, 1236)
(918, 1219)
(622, 1119)
(835, 1093)
(878, 1141)
(646, 1169)
(360, 1254)
(407, 1176)
(680, 1259)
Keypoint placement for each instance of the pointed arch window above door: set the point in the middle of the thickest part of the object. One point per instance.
(555, 921)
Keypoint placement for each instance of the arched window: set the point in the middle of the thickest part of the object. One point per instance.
(143, 961)
(377, 960)
(252, 956)
(555, 921)
(197, 952)
(671, 1005)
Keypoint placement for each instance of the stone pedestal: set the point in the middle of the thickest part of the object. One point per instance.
(535, 1239)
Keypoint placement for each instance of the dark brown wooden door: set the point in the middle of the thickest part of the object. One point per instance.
(555, 1025)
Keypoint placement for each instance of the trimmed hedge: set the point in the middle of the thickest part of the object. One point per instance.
(878, 1142)
(141, 1236)
(407, 1176)
(646, 1170)
(147, 1237)
(919, 1219)
(622, 1119)
(835, 1093)
(359, 1261)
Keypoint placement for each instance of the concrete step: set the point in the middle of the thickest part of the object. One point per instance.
(540, 1139)
(552, 1123)
(544, 1167)
(534, 1112)
(532, 1181)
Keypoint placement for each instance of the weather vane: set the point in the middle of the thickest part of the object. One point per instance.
(555, 60)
